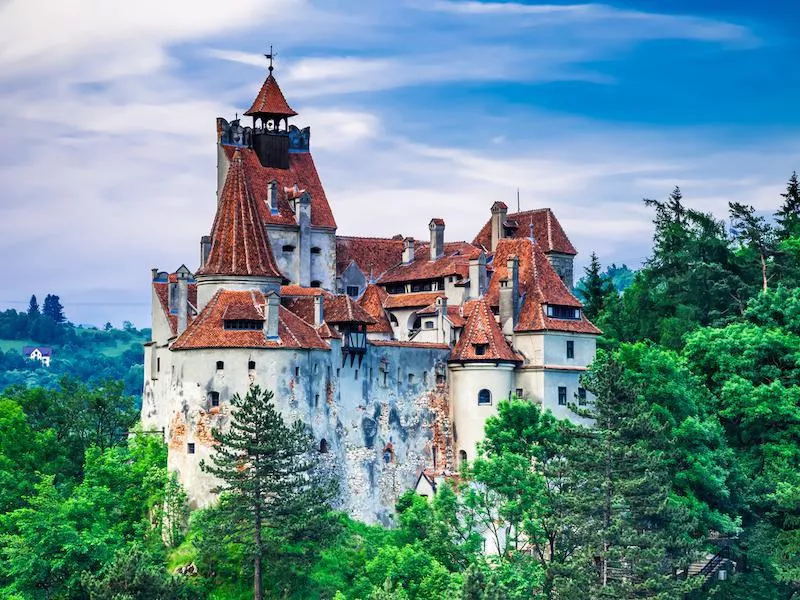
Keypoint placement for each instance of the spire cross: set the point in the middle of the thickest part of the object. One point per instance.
(269, 57)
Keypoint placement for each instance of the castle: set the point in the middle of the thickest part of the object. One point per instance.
(393, 351)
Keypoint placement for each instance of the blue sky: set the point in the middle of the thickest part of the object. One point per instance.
(418, 108)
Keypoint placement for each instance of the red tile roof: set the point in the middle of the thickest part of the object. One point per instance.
(242, 310)
(302, 172)
(482, 329)
(372, 301)
(299, 290)
(239, 244)
(539, 285)
(417, 299)
(454, 261)
(546, 229)
(207, 330)
(423, 345)
(457, 318)
(343, 309)
(162, 292)
(270, 100)
(373, 256)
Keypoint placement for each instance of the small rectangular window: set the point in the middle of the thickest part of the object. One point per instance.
(429, 324)
(581, 396)
(190, 447)
(410, 378)
(338, 371)
(385, 377)
(352, 291)
(356, 374)
(562, 395)
(425, 378)
(297, 372)
(570, 349)
(158, 365)
(220, 365)
(316, 400)
(213, 398)
(251, 365)
(519, 392)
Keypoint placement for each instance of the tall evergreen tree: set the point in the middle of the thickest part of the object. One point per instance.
(33, 307)
(788, 215)
(52, 308)
(271, 491)
(637, 537)
(594, 288)
(753, 232)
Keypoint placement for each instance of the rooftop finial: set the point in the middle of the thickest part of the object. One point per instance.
(269, 57)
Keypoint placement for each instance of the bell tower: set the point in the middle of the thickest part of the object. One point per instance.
(271, 113)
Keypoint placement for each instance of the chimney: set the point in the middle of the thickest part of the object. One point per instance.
(272, 196)
(499, 211)
(183, 298)
(509, 297)
(303, 207)
(441, 314)
(408, 250)
(154, 273)
(319, 310)
(477, 276)
(437, 238)
(271, 308)
(205, 249)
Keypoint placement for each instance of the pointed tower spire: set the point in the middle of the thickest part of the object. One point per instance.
(239, 243)
(270, 104)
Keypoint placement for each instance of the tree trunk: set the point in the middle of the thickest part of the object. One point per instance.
(258, 593)
(763, 271)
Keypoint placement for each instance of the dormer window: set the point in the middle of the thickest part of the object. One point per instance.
(563, 312)
(287, 248)
(243, 324)
(480, 349)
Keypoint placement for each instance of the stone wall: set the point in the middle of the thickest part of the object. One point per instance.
(380, 419)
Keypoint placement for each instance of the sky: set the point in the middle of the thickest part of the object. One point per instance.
(418, 109)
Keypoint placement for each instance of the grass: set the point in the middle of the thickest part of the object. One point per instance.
(6, 345)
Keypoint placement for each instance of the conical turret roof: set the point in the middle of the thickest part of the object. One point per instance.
(239, 244)
(481, 329)
(270, 100)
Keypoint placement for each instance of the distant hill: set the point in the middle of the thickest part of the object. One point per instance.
(86, 353)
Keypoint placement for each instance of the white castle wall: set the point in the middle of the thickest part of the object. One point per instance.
(361, 412)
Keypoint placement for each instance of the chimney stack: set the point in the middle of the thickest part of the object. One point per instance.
(437, 238)
(272, 196)
(509, 297)
(441, 314)
(205, 249)
(183, 298)
(499, 212)
(477, 276)
(319, 310)
(408, 250)
(271, 308)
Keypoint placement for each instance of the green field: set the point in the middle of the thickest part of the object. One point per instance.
(6, 345)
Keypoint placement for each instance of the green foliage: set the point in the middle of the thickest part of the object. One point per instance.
(595, 289)
(137, 574)
(275, 500)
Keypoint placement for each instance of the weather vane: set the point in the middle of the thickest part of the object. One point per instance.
(269, 57)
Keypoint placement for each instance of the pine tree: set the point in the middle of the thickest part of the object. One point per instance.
(594, 289)
(754, 232)
(271, 490)
(33, 307)
(52, 308)
(788, 215)
(637, 537)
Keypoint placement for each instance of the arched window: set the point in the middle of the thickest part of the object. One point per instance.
(462, 456)
(388, 454)
(323, 446)
(393, 319)
(484, 396)
(220, 365)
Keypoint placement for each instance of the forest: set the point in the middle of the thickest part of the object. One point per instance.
(693, 453)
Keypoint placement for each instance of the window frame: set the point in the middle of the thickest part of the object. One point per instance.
(570, 349)
(481, 395)
(562, 395)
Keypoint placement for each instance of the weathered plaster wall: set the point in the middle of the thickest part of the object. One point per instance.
(377, 418)
(323, 263)
(468, 417)
(288, 262)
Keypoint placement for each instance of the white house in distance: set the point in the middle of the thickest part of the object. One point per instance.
(40, 353)
(393, 351)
